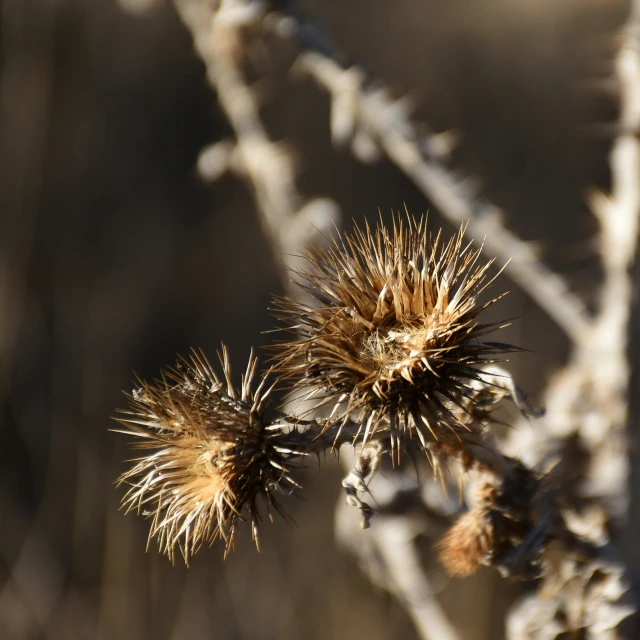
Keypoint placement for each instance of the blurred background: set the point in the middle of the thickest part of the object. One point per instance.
(115, 256)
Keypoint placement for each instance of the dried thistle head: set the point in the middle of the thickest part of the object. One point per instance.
(393, 337)
(208, 455)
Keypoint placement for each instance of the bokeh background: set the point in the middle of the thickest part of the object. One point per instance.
(115, 256)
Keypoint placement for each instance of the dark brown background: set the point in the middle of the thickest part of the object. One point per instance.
(114, 257)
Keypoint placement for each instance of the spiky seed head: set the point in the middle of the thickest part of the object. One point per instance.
(393, 336)
(208, 455)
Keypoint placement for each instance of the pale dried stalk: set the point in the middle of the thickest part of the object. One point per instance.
(361, 113)
(410, 582)
(590, 397)
(386, 122)
(287, 220)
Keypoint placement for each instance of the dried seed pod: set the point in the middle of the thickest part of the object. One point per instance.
(209, 455)
(470, 540)
(394, 336)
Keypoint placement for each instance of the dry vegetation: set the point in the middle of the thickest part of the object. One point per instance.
(115, 256)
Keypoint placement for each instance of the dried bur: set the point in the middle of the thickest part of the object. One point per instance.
(209, 455)
(392, 340)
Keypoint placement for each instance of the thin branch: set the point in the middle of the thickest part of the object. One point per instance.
(412, 586)
(287, 220)
(362, 108)
(624, 208)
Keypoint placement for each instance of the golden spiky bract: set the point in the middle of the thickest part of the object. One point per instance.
(392, 336)
(208, 455)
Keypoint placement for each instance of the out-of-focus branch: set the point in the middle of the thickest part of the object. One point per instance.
(364, 114)
(619, 218)
(397, 546)
(289, 222)
(388, 124)
(362, 111)
(388, 554)
(391, 558)
(590, 396)
(624, 208)
(588, 402)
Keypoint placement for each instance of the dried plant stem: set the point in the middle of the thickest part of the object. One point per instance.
(588, 402)
(619, 215)
(402, 143)
(397, 547)
(590, 396)
(287, 220)
(363, 109)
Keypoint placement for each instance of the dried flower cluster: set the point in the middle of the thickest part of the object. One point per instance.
(392, 346)
(393, 338)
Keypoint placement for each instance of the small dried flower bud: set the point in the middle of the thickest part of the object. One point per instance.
(394, 337)
(468, 543)
(209, 455)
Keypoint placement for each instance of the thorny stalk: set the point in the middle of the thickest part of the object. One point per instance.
(587, 402)
(362, 107)
(288, 220)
